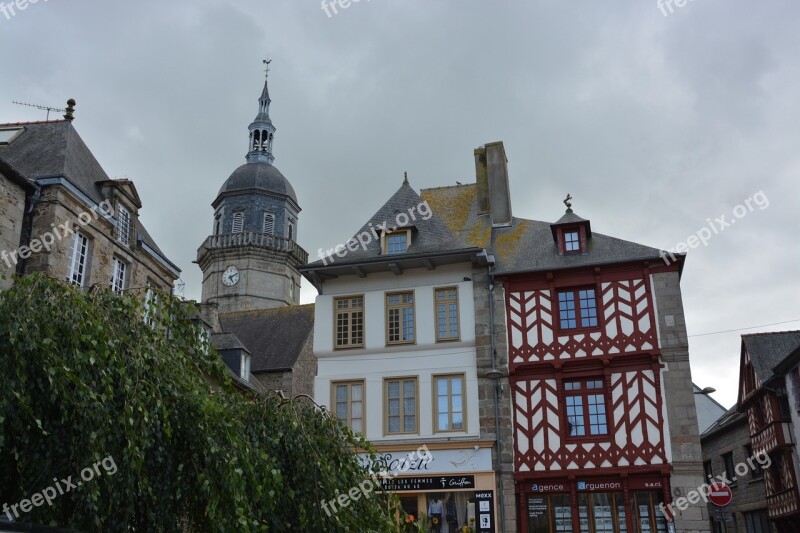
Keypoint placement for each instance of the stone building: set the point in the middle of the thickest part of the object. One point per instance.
(768, 393)
(63, 215)
(726, 444)
(251, 281)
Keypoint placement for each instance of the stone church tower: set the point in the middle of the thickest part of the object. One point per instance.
(251, 260)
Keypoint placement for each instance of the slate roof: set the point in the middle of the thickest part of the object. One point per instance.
(428, 236)
(731, 417)
(258, 176)
(527, 245)
(227, 341)
(54, 149)
(274, 337)
(768, 350)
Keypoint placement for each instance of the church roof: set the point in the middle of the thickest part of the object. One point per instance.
(526, 245)
(53, 149)
(258, 177)
(275, 338)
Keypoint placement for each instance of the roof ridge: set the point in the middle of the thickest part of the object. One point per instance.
(448, 187)
(758, 333)
(31, 122)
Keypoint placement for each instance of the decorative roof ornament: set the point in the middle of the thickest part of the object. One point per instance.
(262, 131)
(405, 178)
(568, 203)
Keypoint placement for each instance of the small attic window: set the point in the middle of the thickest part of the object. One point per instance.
(396, 243)
(8, 134)
(572, 241)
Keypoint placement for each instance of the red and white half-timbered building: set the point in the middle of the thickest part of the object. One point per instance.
(598, 365)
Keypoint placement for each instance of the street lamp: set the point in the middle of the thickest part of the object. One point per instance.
(706, 391)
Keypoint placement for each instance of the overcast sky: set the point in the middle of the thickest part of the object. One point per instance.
(653, 123)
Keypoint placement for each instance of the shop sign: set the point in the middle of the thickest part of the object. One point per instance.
(549, 487)
(440, 483)
(484, 503)
(599, 486)
(436, 462)
(645, 483)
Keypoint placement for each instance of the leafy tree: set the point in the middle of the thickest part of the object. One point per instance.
(85, 381)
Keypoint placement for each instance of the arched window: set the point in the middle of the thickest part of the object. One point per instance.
(238, 222)
(269, 223)
(291, 230)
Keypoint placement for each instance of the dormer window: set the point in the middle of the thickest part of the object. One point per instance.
(123, 225)
(396, 242)
(572, 241)
(244, 367)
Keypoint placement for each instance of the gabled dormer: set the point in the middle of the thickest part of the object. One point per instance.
(571, 234)
(126, 204)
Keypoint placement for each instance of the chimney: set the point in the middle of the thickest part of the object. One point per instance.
(482, 179)
(69, 116)
(499, 197)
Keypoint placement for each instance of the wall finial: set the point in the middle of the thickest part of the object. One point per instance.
(70, 111)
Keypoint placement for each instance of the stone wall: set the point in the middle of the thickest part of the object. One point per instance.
(487, 390)
(12, 210)
(749, 491)
(678, 394)
(305, 369)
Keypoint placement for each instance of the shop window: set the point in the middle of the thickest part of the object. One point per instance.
(451, 511)
(549, 513)
(602, 513)
(647, 517)
(585, 408)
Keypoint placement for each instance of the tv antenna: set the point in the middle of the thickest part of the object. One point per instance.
(42, 107)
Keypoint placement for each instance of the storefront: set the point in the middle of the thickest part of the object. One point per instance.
(453, 488)
(592, 505)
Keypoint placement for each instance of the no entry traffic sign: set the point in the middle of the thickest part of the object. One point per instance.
(720, 494)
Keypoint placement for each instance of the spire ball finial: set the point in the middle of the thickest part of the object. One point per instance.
(568, 203)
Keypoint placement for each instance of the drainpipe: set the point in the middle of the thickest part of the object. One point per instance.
(31, 199)
(495, 374)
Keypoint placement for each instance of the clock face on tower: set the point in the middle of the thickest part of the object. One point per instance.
(231, 276)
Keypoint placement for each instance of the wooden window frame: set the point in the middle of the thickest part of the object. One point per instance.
(240, 215)
(435, 396)
(78, 269)
(349, 384)
(402, 415)
(579, 327)
(123, 280)
(562, 240)
(446, 302)
(584, 392)
(124, 225)
(400, 306)
(385, 240)
(349, 311)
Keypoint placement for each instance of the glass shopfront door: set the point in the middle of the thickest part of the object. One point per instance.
(549, 513)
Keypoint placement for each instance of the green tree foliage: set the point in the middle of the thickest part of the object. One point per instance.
(83, 378)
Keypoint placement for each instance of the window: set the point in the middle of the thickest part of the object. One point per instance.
(727, 459)
(400, 318)
(601, 512)
(245, 367)
(348, 400)
(449, 414)
(349, 312)
(118, 270)
(238, 222)
(755, 470)
(291, 288)
(217, 222)
(269, 223)
(447, 314)
(123, 225)
(401, 405)
(757, 522)
(149, 304)
(7, 134)
(794, 378)
(77, 259)
(291, 230)
(586, 408)
(396, 243)
(709, 473)
(572, 241)
(577, 309)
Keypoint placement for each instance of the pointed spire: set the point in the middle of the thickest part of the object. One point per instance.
(262, 132)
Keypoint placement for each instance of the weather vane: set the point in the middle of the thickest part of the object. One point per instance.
(567, 201)
(266, 70)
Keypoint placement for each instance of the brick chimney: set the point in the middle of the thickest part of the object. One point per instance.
(494, 194)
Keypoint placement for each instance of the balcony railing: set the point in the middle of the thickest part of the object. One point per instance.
(257, 239)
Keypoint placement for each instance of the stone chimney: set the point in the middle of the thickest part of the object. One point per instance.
(495, 165)
(482, 180)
